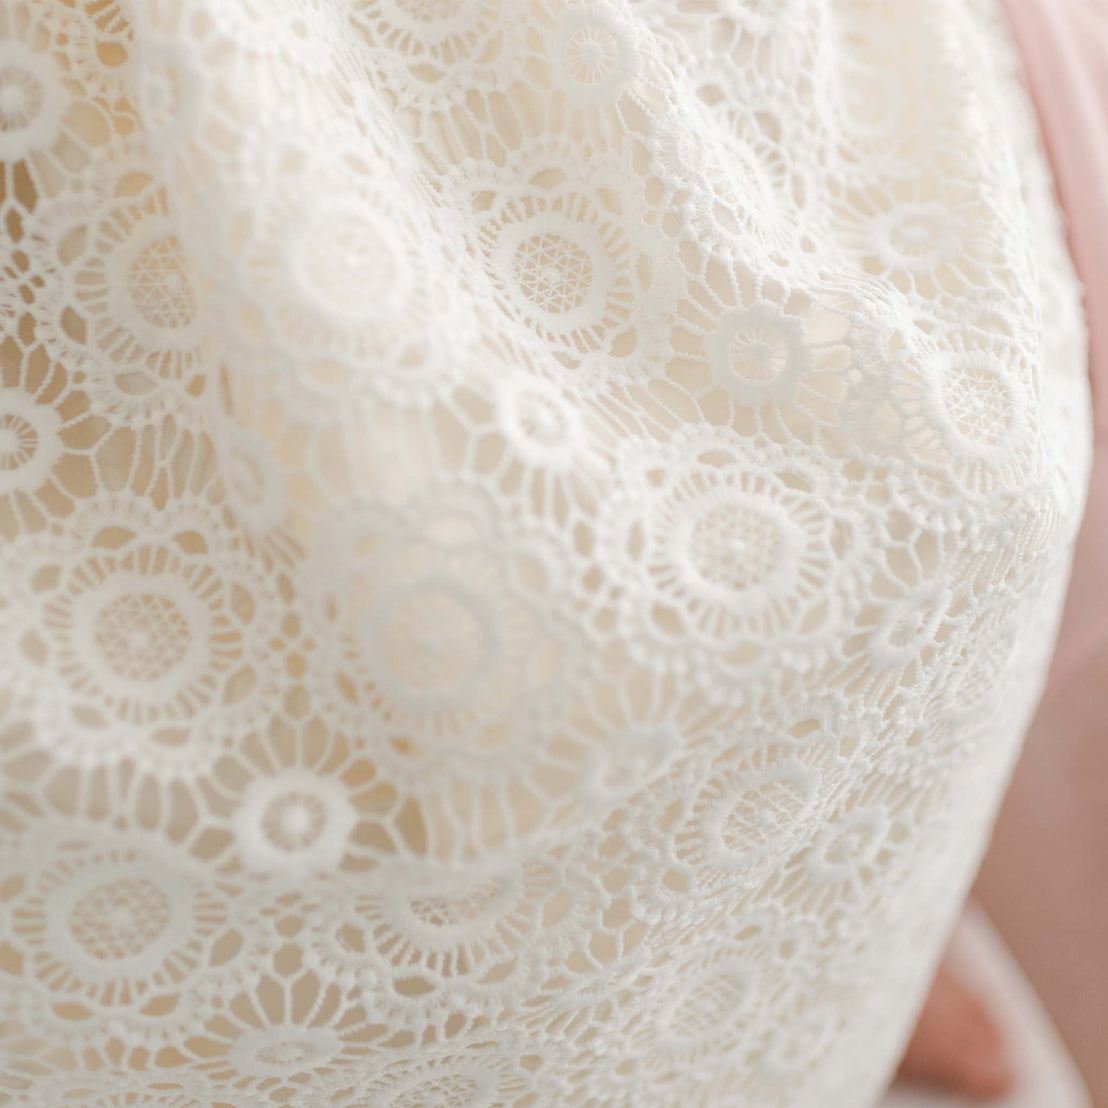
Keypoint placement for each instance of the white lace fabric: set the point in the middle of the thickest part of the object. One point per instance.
(531, 533)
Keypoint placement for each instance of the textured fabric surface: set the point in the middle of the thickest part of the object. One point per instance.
(1064, 48)
(531, 535)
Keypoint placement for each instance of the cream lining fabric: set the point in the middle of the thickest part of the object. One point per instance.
(531, 533)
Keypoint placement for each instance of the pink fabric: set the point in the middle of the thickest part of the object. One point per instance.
(1064, 44)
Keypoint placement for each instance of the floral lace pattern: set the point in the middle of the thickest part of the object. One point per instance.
(530, 532)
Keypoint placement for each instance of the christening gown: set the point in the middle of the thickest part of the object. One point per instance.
(530, 535)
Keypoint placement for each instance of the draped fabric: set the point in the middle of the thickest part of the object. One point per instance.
(530, 534)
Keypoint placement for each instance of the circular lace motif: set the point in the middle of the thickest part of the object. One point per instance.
(709, 1005)
(875, 836)
(141, 639)
(450, 942)
(329, 269)
(925, 238)
(32, 101)
(283, 1032)
(956, 406)
(279, 1052)
(975, 415)
(757, 353)
(152, 283)
(477, 1075)
(593, 55)
(448, 926)
(766, 360)
(541, 422)
(30, 441)
(979, 408)
(563, 259)
(49, 442)
(728, 556)
(733, 174)
(108, 923)
(732, 821)
(116, 920)
(561, 272)
(170, 90)
(446, 637)
(132, 291)
(294, 824)
(301, 803)
(140, 650)
(908, 627)
(919, 237)
(762, 812)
